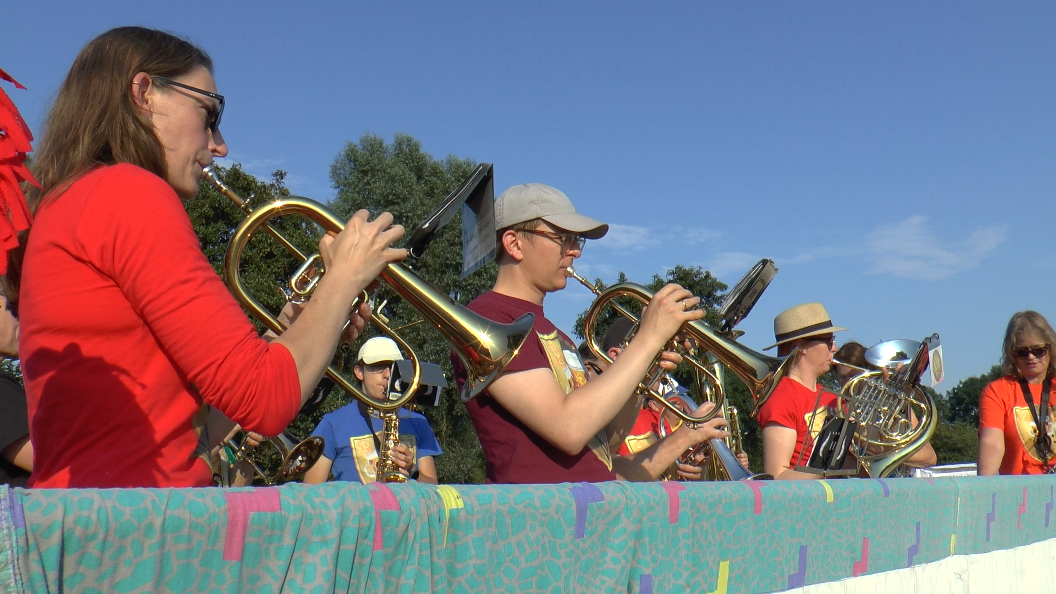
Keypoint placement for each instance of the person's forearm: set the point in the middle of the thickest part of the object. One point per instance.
(313, 337)
(794, 475)
(660, 456)
(990, 455)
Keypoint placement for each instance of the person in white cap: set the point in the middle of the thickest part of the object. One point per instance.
(540, 421)
(352, 433)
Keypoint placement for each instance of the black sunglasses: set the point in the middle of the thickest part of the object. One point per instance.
(1037, 351)
(213, 113)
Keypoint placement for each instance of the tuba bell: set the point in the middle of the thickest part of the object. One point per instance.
(484, 346)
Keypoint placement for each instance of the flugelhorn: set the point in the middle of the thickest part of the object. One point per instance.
(760, 373)
(485, 347)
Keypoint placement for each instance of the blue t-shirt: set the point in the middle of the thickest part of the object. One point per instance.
(350, 445)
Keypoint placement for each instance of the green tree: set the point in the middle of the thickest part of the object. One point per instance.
(404, 180)
(961, 403)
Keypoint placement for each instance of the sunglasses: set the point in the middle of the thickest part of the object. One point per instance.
(829, 339)
(593, 367)
(568, 241)
(213, 114)
(1037, 351)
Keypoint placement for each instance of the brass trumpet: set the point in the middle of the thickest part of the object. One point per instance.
(760, 373)
(484, 346)
(297, 458)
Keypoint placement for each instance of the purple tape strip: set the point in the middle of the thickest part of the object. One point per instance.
(991, 515)
(18, 515)
(384, 500)
(913, 549)
(1048, 506)
(798, 579)
(887, 490)
(674, 502)
(860, 567)
(645, 583)
(584, 494)
(239, 506)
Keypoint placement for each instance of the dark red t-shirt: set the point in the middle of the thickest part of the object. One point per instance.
(792, 405)
(513, 452)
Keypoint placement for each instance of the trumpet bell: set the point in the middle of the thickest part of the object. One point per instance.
(300, 457)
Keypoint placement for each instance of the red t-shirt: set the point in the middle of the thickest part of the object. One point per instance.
(1002, 406)
(126, 329)
(791, 405)
(513, 452)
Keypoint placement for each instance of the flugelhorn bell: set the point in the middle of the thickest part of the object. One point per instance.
(760, 373)
(485, 347)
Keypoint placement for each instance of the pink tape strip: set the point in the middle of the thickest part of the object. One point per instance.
(384, 500)
(239, 506)
(757, 493)
(674, 501)
(860, 567)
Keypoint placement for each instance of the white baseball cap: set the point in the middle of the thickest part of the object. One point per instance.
(379, 348)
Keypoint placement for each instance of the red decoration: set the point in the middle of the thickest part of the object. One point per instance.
(15, 140)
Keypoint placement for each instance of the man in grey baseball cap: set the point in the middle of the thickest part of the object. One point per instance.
(526, 202)
(540, 421)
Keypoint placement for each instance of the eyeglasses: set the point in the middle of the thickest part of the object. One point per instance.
(568, 241)
(593, 367)
(829, 339)
(1037, 351)
(213, 114)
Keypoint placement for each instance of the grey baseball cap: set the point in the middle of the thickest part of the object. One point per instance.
(539, 201)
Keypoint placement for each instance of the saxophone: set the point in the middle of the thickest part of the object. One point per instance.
(390, 438)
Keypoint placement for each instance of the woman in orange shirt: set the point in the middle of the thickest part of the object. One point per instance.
(1013, 408)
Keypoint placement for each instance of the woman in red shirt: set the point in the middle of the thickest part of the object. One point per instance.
(799, 398)
(1013, 408)
(127, 332)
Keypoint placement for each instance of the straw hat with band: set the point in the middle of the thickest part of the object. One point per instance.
(802, 321)
(525, 202)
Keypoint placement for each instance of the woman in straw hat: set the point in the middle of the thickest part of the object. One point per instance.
(799, 399)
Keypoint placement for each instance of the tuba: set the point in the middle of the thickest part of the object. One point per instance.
(485, 347)
(760, 373)
(894, 417)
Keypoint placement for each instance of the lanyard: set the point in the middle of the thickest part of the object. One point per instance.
(1042, 441)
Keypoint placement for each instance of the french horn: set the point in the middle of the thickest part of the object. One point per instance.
(894, 417)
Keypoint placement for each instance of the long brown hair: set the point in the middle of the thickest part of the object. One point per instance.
(1021, 323)
(95, 121)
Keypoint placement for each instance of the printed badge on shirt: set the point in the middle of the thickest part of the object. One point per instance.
(570, 373)
(365, 454)
(1028, 431)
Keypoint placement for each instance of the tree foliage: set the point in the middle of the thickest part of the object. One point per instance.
(399, 178)
(961, 404)
(406, 181)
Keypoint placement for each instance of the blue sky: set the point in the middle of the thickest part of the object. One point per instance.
(897, 161)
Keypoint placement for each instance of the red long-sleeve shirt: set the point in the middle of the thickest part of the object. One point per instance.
(126, 329)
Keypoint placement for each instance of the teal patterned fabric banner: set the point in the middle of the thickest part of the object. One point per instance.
(651, 537)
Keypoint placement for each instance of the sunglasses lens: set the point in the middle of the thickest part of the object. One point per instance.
(1025, 352)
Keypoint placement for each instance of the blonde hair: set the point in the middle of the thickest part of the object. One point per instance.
(1025, 322)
